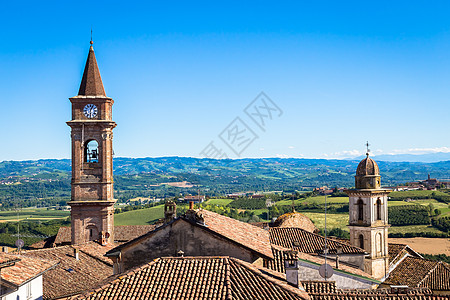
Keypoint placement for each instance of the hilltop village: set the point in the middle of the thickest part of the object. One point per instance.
(200, 254)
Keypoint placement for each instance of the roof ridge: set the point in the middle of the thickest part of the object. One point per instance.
(229, 295)
(46, 249)
(95, 257)
(284, 285)
(110, 280)
(315, 234)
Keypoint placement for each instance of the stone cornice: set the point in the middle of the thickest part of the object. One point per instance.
(367, 192)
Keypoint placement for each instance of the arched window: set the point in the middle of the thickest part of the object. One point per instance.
(378, 209)
(361, 241)
(91, 151)
(360, 205)
(92, 233)
(379, 244)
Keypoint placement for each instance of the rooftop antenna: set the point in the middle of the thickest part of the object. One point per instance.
(326, 244)
(19, 242)
(325, 270)
(293, 203)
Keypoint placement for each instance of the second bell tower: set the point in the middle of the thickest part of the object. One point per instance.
(368, 220)
(92, 201)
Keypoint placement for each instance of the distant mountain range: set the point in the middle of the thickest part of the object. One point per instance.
(261, 172)
(427, 158)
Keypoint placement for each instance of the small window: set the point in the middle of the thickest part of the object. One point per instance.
(361, 241)
(29, 290)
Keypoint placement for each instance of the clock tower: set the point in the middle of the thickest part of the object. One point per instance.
(92, 201)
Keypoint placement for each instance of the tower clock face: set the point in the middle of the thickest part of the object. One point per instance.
(90, 111)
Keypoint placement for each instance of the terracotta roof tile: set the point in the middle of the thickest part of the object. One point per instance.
(7, 259)
(318, 287)
(419, 272)
(397, 251)
(63, 236)
(24, 268)
(307, 242)
(70, 276)
(195, 278)
(46, 243)
(242, 233)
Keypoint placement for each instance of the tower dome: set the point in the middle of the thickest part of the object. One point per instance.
(295, 219)
(367, 167)
(367, 174)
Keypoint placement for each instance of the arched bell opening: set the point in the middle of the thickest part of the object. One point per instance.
(361, 241)
(91, 151)
(360, 205)
(378, 204)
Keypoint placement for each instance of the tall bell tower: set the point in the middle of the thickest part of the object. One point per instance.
(368, 220)
(92, 201)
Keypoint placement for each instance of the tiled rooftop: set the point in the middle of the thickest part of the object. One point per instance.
(196, 278)
(307, 242)
(70, 275)
(46, 243)
(6, 259)
(397, 251)
(419, 272)
(24, 268)
(319, 287)
(242, 233)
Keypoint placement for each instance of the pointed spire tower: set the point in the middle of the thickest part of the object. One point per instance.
(91, 83)
(92, 200)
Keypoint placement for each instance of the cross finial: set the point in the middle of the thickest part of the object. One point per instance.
(91, 42)
(367, 146)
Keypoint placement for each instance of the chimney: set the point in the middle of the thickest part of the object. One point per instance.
(292, 270)
(337, 261)
(5, 249)
(191, 204)
(76, 253)
(170, 211)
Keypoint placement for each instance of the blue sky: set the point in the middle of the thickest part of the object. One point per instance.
(181, 72)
